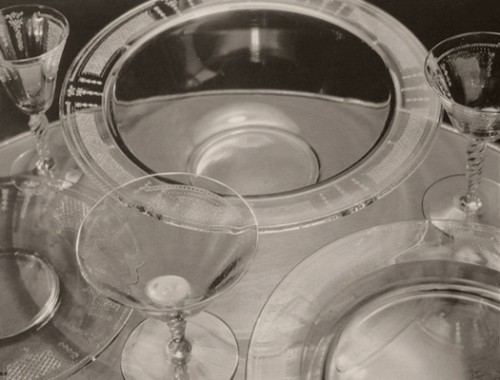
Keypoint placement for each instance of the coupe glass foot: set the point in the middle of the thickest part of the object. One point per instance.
(214, 354)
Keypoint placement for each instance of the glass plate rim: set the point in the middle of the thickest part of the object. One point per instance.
(269, 315)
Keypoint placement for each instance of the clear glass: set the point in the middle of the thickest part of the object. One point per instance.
(311, 110)
(32, 40)
(29, 291)
(52, 322)
(464, 71)
(407, 300)
(167, 245)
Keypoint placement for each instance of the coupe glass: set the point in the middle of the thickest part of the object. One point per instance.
(464, 71)
(32, 39)
(167, 245)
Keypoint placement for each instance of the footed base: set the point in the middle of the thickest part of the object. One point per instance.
(441, 200)
(214, 354)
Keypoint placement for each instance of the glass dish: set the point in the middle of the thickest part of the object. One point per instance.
(412, 300)
(37, 216)
(312, 109)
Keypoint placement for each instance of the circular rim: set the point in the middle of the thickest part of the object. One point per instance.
(277, 346)
(59, 348)
(406, 143)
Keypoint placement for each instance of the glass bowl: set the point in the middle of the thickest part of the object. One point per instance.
(311, 110)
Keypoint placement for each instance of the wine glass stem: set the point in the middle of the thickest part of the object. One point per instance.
(179, 348)
(474, 171)
(38, 124)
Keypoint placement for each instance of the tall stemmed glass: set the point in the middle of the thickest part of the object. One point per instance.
(167, 245)
(32, 39)
(464, 71)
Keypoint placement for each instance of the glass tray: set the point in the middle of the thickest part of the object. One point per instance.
(346, 148)
(332, 292)
(38, 217)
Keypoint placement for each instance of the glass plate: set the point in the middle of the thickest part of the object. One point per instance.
(360, 294)
(326, 108)
(37, 217)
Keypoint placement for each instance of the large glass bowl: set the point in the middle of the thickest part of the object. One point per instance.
(311, 110)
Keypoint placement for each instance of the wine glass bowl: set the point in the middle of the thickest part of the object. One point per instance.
(464, 71)
(32, 40)
(177, 242)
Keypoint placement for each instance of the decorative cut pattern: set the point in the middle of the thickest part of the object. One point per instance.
(33, 365)
(86, 92)
(16, 22)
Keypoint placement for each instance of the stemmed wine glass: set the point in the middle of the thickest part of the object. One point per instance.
(32, 39)
(167, 245)
(464, 71)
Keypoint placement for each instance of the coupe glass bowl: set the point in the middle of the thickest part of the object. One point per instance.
(179, 241)
(311, 110)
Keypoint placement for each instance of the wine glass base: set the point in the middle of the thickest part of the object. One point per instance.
(214, 352)
(64, 169)
(441, 201)
(29, 290)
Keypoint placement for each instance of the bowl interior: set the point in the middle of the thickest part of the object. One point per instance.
(294, 105)
(265, 100)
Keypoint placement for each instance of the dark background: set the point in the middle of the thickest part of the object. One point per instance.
(430, 20)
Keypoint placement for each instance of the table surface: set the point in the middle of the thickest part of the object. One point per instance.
(278, 253)
(430, 20)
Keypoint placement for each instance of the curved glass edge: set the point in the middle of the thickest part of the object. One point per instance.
(31, 187)
(277, 343)
(410, 138)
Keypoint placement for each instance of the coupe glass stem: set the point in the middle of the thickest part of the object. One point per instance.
(179, 348)
(38, 124)
(474, 170)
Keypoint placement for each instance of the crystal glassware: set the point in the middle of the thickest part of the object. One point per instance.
(52, 322)
(464, 71)
(311, 110)
(32, 40)
(407, 300)
(166, 245)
